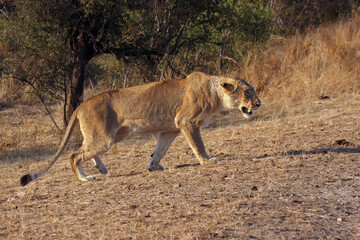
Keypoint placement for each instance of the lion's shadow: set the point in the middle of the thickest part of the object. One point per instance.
(312, 152)
(288, 153)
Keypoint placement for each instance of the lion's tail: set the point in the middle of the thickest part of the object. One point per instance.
(32, 176)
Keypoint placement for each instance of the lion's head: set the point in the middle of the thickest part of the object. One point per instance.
(240, 95)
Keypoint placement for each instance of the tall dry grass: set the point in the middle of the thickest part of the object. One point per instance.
(321, 62)
(8, 88)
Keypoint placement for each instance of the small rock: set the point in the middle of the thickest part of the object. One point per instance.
(21, 194)
(343, 142)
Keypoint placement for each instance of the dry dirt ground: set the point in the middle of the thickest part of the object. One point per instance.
(282, 175)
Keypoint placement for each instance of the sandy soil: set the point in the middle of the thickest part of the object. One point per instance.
(288, 175)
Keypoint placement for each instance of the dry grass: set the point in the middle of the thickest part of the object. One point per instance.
(289, 173)
(279, 178)
(323, 62)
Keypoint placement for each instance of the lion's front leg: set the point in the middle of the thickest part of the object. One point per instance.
(164, 141)
(193, 136)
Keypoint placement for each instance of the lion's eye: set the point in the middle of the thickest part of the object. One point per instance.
(247, 94)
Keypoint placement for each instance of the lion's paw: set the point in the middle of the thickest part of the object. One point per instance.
(213, 160)
(152, 167)
(91, 178)
(210, 161)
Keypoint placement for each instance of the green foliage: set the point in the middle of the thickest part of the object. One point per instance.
(188, 35)
(46, 43)
(36, 55)
(106, 72)
(239, 26)
(152, 38)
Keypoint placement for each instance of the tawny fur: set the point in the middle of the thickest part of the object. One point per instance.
(165, 108)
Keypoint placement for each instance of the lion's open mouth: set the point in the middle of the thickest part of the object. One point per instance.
(246, 111)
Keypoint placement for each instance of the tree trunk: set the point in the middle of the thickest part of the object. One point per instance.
(83, 52)
(77, 88)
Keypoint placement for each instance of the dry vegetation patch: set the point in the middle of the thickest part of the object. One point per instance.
(289, 176)
(291, 172)
(323, 62)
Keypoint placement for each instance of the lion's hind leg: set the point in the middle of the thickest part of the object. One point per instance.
(82, 155)
(100, 165)
(76, 160)
(120, 135)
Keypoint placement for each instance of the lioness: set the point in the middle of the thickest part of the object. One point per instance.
(166, 108)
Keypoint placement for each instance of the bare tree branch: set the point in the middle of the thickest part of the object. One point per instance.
(37, 93)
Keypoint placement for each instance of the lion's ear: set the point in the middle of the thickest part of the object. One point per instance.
(228, 86)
